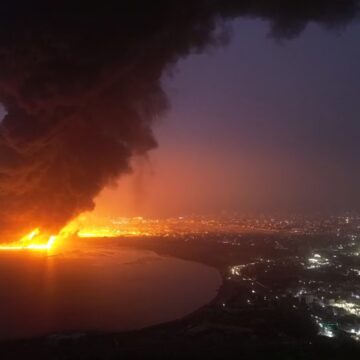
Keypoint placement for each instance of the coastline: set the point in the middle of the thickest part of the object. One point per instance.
(211, 331)
(198, 293)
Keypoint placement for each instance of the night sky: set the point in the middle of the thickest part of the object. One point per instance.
(258, 125)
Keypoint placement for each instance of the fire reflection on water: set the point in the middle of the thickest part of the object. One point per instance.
(85, 286)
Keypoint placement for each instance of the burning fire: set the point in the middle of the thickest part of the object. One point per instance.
(31, 241)
(82, 228)
(37, 240)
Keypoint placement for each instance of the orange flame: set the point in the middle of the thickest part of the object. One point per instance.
(42, 241)
(31, 241)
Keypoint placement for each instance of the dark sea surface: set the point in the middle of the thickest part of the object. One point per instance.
(97, 289)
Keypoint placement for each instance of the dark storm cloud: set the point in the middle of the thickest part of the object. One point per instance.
(81, 85)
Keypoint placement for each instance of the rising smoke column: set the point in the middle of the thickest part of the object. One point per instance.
(81, 84)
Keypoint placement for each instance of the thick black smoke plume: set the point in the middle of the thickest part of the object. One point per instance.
(80, 81)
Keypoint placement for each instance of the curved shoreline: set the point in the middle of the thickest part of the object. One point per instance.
(185, 318)
(164, 302)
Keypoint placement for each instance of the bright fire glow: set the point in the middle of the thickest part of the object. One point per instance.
(88, 227)
(37, 240)
(32, 241)
(106, 232)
